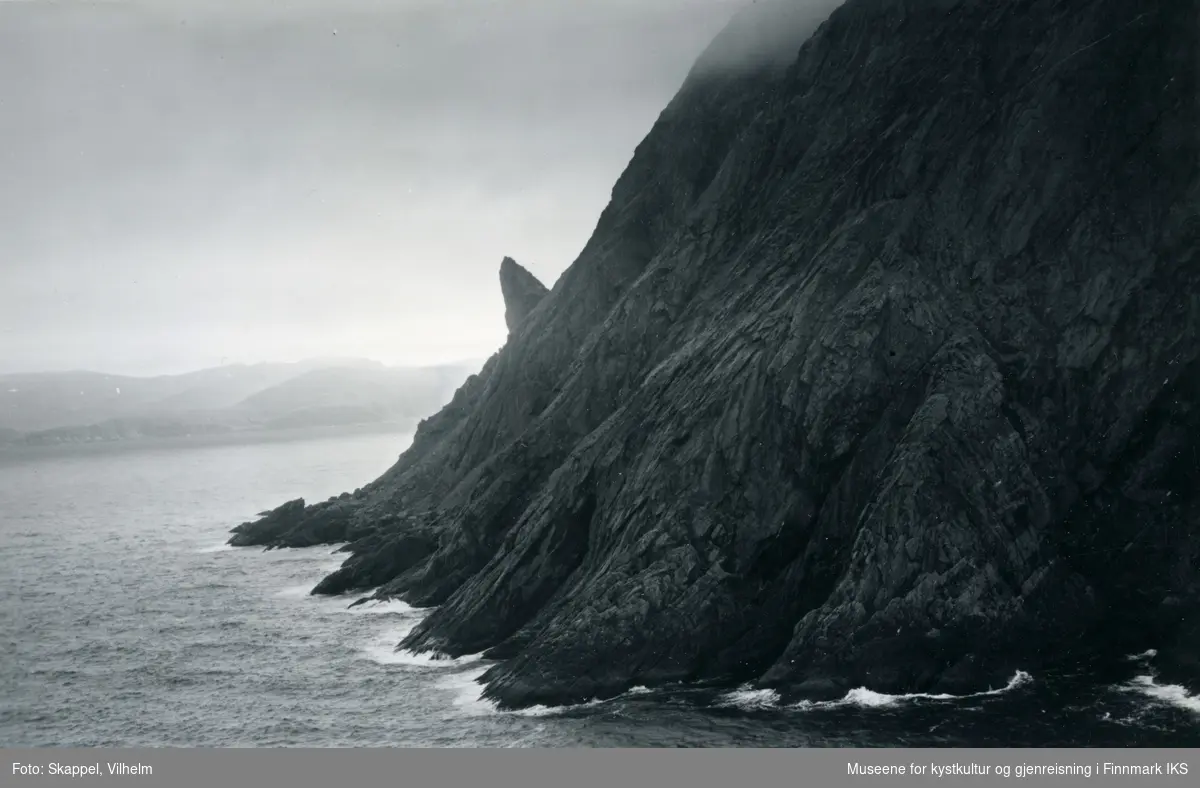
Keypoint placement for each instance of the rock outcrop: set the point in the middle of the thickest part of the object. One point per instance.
(881, 369)
(295, 525)
(521, 290)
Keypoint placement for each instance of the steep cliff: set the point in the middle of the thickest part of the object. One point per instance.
(881, 368)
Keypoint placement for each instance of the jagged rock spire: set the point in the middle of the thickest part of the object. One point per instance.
(522, 292)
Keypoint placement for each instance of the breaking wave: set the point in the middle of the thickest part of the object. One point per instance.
(217, 548)
(382, 650)
(468, 696)
(751, 699)
(1147, 686)
(1168, 694)
(386, 607)
(296, 592)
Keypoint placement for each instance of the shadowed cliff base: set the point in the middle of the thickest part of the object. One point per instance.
(879, 370)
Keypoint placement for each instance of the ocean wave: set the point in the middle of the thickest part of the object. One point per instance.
(305, 555)
(381, 607)
(468, 696)
(382, 650)
(468, 692)
(217, 548)
(295, 592)
(870, 699)
(751, 699)
(314, 549)
(428, 659)
(544, 711)
(1168, 694)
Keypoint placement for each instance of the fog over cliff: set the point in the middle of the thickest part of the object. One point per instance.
(188, 183)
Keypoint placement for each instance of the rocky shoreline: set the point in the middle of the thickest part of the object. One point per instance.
(881, 368)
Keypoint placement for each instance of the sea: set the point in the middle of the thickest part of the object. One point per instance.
(125, 621)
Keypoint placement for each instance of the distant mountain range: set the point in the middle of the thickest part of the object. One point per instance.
(83, 407)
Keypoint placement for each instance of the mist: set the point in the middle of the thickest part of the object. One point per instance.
(187, 183)
(763, 34)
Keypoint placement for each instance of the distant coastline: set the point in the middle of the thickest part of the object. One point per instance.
(77, 411)
(21, 451)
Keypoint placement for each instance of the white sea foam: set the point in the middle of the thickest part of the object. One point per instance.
(382, 647)
(295, 592)
(310, 550)
(326, 560)
(468, 692)
(542, 711)
(377, 607)
(638, 690)
(428, 659)
(1169, 694)
(865, 698)
(382, 650)
(1019, 679)
(468, 696)
(861, 696)
(750, 699)
(217, 548)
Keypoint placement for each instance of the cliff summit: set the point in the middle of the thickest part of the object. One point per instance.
(521, 290)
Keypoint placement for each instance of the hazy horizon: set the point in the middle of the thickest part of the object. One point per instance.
(323, 361)
(186, 183)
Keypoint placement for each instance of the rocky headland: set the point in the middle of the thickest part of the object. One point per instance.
(881, 368)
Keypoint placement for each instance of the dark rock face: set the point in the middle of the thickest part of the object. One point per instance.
(522, 292)
(274, 524)
(294, 525)
(882, 369)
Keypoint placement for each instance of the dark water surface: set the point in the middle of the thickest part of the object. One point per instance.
(124, 622)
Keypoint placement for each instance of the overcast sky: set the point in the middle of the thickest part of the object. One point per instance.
(187, 182)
